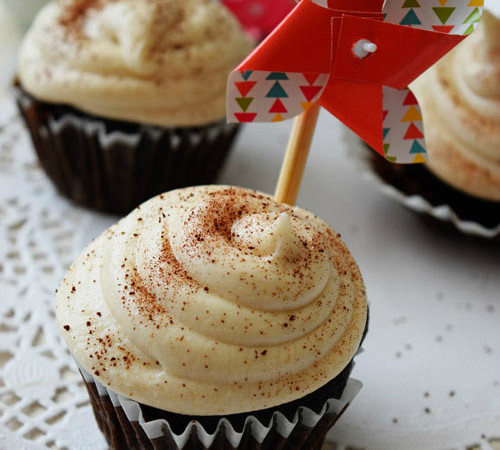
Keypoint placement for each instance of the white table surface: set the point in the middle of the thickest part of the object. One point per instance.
(432, 292)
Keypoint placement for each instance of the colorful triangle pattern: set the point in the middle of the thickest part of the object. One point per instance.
(443, 16)
(244, 88)
(402, 133)
(310, 91)
(277, 92)
(263, 96)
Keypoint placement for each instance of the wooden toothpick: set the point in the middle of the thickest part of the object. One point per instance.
(296, 155)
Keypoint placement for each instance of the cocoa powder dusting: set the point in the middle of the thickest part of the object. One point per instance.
(223, 209)
(76, 10)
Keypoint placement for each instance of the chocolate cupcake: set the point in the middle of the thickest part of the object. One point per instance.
(125, 99)
(460, 99)
(215, 317)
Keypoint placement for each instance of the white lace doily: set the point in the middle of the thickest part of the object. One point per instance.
(432, 363)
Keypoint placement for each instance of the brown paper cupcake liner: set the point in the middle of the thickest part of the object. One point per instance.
(416, 188)
(299, 425)
(126, 424)
(113, 166)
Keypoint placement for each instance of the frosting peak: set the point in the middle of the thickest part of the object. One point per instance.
(245, 243)
(210, 290)
(283, 241)
(160, 62)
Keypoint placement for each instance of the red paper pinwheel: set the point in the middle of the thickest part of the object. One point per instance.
(355, 58)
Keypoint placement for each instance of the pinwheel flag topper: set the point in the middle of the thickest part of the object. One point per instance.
(354, 58)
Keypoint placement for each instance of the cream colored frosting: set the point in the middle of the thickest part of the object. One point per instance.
(162, 62)
(460, 98)
(214, 300)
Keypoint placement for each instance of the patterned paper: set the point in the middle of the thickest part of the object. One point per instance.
(287, 73)
(403, 131)
(445, 16)
(277, 95)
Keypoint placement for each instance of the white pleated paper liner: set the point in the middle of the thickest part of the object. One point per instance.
(122, 422)
(444, 213)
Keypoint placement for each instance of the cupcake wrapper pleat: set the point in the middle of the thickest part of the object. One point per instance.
(114, 166)
(419, 190)
(122, 422)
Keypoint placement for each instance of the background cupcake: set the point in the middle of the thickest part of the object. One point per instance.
(125, 99)
(219, 306)
(460, 100)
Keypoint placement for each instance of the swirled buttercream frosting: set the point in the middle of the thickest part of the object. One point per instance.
(460, 98)
(214, 300)
(160, 62)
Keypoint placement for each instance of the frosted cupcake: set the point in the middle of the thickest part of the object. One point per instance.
(460, 99)
(125, 99)
(214, 316)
